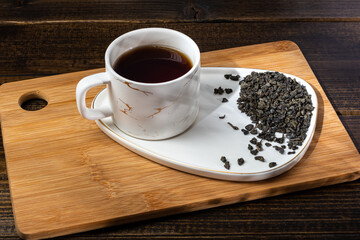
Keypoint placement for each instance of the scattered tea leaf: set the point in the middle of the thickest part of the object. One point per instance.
(254, 132)
(260, 158)
(254, 152)
(253, 140)
(227, 165)
(235, 77)
(227, 76)
(249, 127)
(218, 90)
(272, 164)
(228, 90)
(233, 126)
(245, 131)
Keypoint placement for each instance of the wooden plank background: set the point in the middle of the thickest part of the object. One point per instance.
(43, 37)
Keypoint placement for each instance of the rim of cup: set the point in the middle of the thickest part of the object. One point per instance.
(120, 38)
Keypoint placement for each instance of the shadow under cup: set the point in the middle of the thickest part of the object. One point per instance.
(154, 111)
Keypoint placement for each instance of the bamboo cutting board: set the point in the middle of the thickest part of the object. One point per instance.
(67, 176)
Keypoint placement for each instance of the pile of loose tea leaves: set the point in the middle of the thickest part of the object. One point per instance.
(276, 104)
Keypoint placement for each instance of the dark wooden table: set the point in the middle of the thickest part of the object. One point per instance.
(43, 37)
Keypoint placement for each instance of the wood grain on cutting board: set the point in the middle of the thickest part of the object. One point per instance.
(67, 176)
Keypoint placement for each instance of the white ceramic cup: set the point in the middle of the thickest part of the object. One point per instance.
(149, 111)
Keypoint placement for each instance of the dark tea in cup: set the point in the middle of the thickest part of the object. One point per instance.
(152, 64)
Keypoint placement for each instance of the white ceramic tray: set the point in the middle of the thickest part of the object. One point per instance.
(199, 149)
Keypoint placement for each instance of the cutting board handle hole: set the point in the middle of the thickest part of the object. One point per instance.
(33, 101)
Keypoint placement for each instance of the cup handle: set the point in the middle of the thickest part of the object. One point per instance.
(81, 89)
